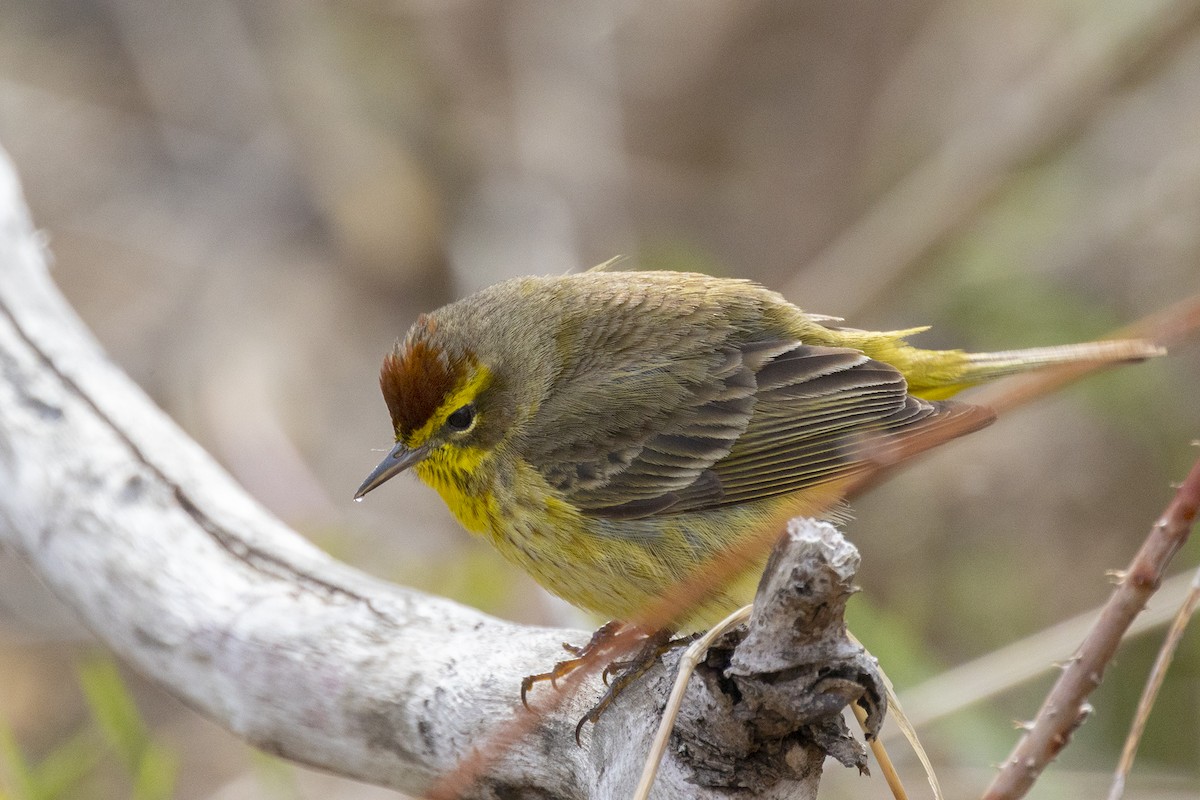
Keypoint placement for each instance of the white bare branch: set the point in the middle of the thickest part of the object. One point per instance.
(174, 568)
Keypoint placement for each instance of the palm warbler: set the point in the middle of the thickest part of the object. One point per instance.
(609, 432)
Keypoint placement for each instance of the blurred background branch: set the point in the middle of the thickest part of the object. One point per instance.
(249, 201)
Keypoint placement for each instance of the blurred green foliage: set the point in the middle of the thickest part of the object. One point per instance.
(111, 750)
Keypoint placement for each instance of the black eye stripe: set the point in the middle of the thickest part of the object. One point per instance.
(462, 418)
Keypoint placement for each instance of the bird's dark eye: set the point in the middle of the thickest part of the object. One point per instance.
(461, 419)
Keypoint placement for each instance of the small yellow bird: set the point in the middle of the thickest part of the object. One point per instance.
(609, 432)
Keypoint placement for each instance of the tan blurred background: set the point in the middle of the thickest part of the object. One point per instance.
(248, 202)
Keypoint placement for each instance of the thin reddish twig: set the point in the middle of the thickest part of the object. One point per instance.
(1154, 683)
(1065, 707)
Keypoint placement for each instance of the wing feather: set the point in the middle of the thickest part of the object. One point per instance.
(772, 417)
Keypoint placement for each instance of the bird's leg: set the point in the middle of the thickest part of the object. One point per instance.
(580, 654)
(626, 672)
(602, 634)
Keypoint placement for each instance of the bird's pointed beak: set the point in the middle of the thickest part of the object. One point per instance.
(399, 459)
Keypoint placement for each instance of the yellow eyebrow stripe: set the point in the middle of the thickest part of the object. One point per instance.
(463, 394)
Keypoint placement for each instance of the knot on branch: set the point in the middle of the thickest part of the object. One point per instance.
(769, 699)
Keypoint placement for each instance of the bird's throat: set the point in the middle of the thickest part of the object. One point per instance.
(456, 475)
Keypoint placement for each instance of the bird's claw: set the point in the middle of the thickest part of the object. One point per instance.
(560, 670)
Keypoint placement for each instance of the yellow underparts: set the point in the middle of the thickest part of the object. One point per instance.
(615, 569)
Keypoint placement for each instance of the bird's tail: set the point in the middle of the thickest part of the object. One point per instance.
(938, 374)
(981, 367)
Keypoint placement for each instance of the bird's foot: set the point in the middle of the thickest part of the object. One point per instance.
(617, 676)
(580, 654)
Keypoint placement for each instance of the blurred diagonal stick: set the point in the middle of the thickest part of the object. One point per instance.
(870, 258)
(1169, 327)
(1157, 675)
(1065, 706)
